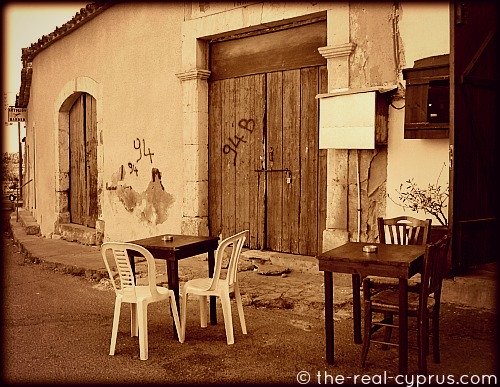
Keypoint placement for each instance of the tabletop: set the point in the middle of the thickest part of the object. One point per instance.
(396, 260)
(181, 246)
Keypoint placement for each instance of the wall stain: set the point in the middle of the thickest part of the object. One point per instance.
(158, 201)
(128, 197)
(152, 205)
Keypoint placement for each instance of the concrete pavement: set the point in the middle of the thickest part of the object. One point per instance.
(267, 279)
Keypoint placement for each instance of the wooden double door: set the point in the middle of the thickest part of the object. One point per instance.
(266, 172)
(83, 206)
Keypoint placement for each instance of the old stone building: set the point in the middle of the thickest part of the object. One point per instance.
(206, 118)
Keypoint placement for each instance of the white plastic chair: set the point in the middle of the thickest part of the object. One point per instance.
(138, 296)
(220, 287)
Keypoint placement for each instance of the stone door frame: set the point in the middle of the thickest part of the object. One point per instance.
(196, 34)
(66, 98)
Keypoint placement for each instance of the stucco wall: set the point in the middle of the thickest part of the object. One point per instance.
(133, 56)
(425, 31)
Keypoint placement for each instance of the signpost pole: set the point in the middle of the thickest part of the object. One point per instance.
(20, 158)
(18, 115)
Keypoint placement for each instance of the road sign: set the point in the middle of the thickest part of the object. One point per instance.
(17, 114)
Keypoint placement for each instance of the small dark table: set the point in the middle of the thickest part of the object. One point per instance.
(182, 246)
(396, 261)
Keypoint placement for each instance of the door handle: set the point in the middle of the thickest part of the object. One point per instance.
(271, 154)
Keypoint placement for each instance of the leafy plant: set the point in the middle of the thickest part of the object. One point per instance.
(431, 200)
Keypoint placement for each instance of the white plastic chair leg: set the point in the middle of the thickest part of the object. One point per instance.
(228, 320)
(175, 314)
(184, 297)
(203, 310)
(134, 328)
(142, 319)
(116, 321)
(239, 305)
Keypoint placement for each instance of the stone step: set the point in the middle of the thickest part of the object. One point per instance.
(301, 263)
(81, 234)
(29, 223)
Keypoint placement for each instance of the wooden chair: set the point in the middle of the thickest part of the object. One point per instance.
(423, 306)
(402, 230)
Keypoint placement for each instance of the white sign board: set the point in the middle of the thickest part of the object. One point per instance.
(17, 114)
(347, 121)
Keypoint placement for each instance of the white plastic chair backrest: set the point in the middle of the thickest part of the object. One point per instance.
(122, 262)
(237, 241)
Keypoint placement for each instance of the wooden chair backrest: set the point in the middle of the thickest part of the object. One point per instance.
(404, 230)
(435, 265)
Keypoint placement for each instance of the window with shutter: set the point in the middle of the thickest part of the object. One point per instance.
(427, 104)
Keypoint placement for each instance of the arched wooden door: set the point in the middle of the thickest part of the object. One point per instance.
(266, 172)
(83, 161)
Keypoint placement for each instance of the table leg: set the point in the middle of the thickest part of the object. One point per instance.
(131, 258)
(329, 327)
(403, 326)
(173, 283)
(213, 299)
(132, 265)
(356, 307)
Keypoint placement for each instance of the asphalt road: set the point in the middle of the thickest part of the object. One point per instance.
(57, 329)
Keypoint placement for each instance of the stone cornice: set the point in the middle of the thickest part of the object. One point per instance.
(193, 74)
(337, 51)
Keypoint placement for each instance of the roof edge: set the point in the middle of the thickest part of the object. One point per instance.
(86, 14)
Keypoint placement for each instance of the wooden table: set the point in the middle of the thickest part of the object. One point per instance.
(396, 261)
(182, 246)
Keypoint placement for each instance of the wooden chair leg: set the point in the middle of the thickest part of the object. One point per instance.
(425, 339)
(367, 333)
(389, 319)
(423, 342)
(435, 335)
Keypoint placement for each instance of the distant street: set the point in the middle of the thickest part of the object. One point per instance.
(57, 329)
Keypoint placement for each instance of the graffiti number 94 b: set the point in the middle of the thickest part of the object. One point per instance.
(235, 141)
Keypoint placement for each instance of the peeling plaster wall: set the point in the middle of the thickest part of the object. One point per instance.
(150, 206)
(372, 176)
(386, 36)
(373, 63)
